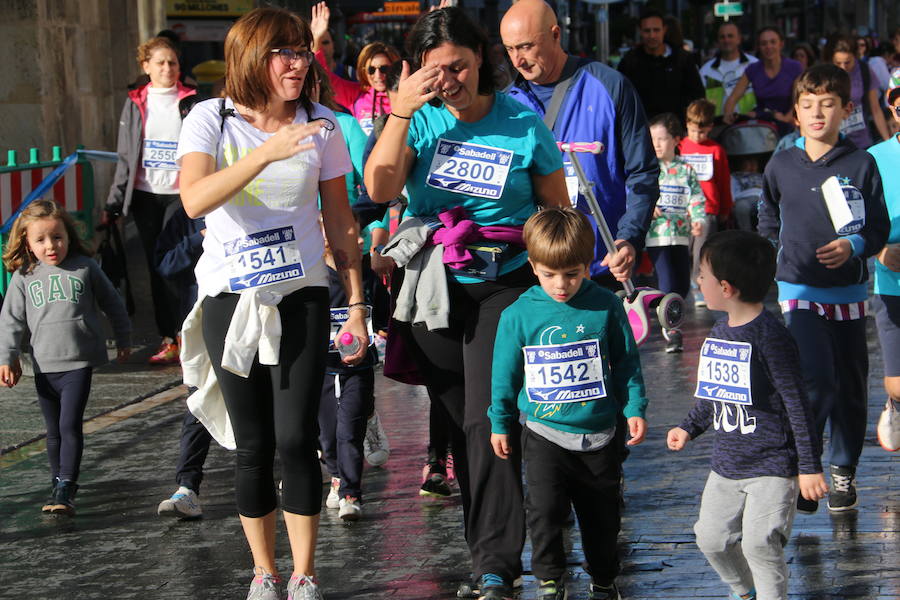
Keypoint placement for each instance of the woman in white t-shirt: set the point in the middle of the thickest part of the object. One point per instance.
(254, 164)
(146, 179)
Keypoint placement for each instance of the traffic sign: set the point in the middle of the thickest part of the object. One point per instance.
(728, 9)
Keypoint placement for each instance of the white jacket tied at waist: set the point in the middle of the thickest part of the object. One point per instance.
(255, 327)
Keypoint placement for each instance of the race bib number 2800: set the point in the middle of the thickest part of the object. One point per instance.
(263, 258)
(724, 372)
(560, 373)
(469, 169)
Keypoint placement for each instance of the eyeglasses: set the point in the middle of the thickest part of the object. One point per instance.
(289, 56)
(383, 69)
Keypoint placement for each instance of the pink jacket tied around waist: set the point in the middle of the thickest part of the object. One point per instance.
(459, 231)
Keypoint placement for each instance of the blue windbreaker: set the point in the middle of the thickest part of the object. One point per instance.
(602, 105)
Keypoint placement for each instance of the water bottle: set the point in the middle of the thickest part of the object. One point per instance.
(348, 345)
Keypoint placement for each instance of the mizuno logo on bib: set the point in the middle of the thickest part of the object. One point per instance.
(469, 169)
(724, 372)
(263, 258)
(561, 373)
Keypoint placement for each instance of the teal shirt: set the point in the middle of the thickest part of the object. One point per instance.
(535, 319)
(485, 166)
(355, 139)
(887, 157)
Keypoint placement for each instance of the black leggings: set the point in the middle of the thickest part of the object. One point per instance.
(63, 397)
(456, 365)
(149, 212)
(276, 406)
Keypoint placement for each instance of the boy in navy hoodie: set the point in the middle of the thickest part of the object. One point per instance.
(823, 202)
(565, 356)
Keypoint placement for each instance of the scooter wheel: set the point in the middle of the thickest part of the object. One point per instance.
(670, 311)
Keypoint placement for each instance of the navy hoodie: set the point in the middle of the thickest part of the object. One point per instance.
(792, 210)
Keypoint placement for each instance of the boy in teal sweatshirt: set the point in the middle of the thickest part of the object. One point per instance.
(565, 356)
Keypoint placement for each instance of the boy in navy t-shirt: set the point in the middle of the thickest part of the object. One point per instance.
(750, 389)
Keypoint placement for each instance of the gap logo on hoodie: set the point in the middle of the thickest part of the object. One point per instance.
(564, 373)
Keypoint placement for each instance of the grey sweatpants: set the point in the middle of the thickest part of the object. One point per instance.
(743, 527)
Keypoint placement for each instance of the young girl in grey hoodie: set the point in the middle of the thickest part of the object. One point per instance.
(54, 293)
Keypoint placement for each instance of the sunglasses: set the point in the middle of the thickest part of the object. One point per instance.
(383, 69)
(289, 57)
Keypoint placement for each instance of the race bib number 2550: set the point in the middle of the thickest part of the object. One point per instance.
(469, 169)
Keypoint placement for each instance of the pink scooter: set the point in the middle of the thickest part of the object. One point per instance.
(639, 302)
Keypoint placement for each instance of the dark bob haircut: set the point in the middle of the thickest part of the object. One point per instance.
(743, 259)
(452, 26)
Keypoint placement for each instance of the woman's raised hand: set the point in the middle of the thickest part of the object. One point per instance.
(285, 143)
(415, 90)
(319, 22)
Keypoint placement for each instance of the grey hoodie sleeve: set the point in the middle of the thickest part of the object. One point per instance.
(112, 306)
(12, 320)
(116, 199)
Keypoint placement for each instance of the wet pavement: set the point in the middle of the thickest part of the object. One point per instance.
(405, 546)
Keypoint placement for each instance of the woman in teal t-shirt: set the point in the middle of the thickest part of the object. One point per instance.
(494, 158)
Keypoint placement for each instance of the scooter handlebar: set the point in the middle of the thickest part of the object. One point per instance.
(590, 147)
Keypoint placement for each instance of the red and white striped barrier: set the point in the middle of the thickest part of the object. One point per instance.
(16, 185)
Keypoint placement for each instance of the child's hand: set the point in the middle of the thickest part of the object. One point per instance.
(637, 427)
(835, 253)
(656, 213)
(500, 443)
(122, 355)
(677, 438)
(813, 486)
(10, 374)
(696, 228)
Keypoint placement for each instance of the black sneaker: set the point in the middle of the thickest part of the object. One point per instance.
(64, 495)
(434, 480)
(493, 587)
(604, 592)
(843, 489)
(673, 341)
(51, 499)
(807, 507)
(473, 590)
(551, 589)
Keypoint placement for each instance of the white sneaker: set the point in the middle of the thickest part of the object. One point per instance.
(375, 445)
(334, 500)
(184, 504)
(889, 427)
(304, 587)
(351, 510)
